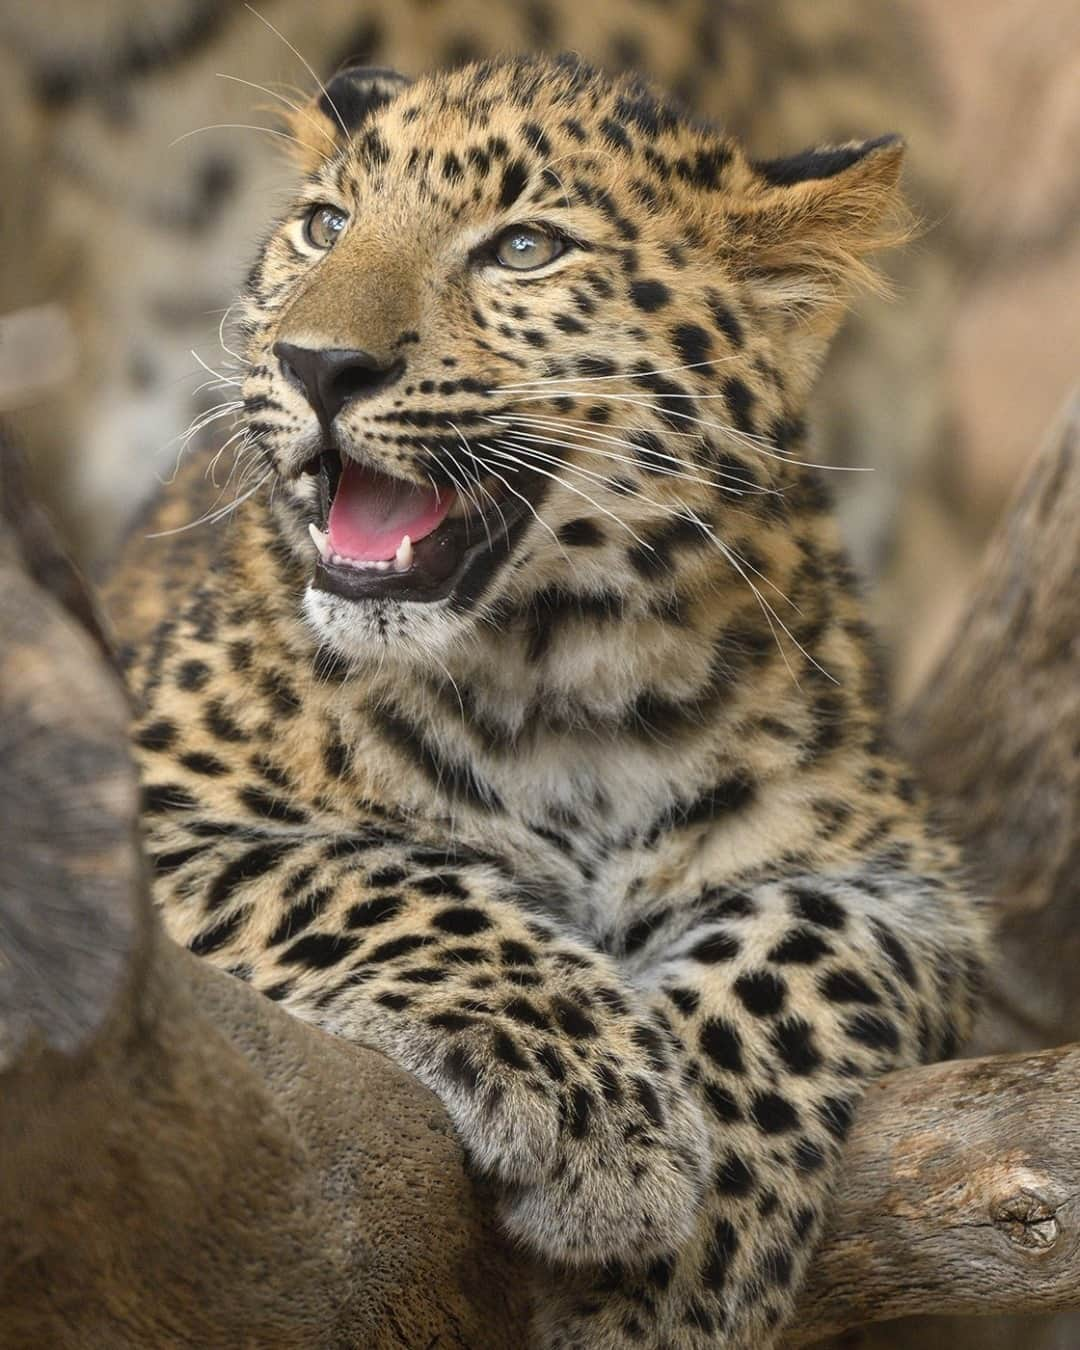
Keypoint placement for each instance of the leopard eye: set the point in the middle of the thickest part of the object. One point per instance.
(524, 247)
(325, 225)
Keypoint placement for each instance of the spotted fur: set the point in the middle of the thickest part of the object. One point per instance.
(608, 847)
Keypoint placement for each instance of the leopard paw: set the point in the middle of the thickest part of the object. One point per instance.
(622, 1189)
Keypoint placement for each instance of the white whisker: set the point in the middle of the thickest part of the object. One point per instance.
(534, 468)
(772, 617)
(199, 424)
(446, 671)
(682, 512)
(514, 492)
(209, 384)
(307, 66)
(245, 126)
(558, 178)
(211, 371)
(270, 93)
(753, 442)
(479, 483)
(213, 516)
(211, 468)
(585, 429)
(620, 375)
(221, 338)
(461, 487)
(202, 420)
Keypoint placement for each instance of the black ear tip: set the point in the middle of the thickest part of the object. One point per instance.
(357, 70)
(892, 140)
(355, 92)
(826, 162)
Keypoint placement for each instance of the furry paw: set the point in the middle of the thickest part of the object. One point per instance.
(621, 1190)
(596, 1157)
(593, 1166)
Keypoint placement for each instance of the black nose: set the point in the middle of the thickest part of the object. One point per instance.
(330, 377)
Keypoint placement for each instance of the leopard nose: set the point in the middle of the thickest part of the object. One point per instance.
(331, 377)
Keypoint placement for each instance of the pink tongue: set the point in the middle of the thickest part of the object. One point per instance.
(371, 512)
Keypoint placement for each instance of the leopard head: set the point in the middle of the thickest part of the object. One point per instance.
(529, 328)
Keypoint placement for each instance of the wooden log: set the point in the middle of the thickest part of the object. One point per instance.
(181, 1162)
(960, 1194)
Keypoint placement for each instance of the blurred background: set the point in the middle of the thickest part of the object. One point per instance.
(140, 159)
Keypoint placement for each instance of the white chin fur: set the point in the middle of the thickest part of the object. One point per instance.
(378, 630)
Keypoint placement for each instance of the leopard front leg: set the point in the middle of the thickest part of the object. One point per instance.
(788, 998)
(564, 1085)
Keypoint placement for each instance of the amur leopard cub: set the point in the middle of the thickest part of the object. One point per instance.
(524, 723)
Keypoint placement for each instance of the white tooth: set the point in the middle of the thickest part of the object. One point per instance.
(382, 566)
(320, 541)
(403, 557)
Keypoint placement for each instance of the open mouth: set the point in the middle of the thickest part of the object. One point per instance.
(389, 538)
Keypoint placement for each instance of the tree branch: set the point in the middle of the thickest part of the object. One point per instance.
(960, 1194)
(181, 1162)
(995, 735)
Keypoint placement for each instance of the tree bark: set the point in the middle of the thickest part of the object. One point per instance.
(961, 1194)
(996, 737)
(181, 1163)
(995, 734)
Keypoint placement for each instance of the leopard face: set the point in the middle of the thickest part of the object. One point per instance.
(527, 329)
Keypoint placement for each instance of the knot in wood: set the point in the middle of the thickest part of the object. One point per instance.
(1027, 1219)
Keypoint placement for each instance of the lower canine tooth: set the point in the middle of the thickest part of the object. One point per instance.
(320, 541)
(403, 557)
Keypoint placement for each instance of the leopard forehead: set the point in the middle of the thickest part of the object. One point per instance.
(673, 227)
(427, 173)
(475, 135)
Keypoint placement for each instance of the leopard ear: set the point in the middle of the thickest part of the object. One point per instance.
(342, 107)
(806, 225)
